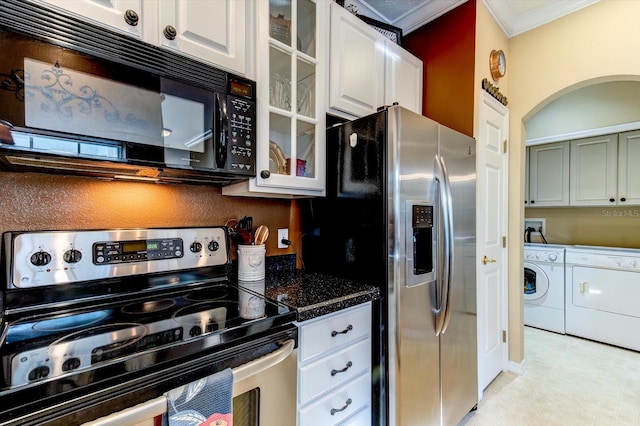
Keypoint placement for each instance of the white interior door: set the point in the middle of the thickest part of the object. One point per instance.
(491, 269)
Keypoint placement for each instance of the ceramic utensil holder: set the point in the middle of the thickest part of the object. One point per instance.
(251, 299)
(251, 259)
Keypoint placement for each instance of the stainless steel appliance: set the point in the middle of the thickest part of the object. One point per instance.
(94, 322)
(400, 212)
(79, 99)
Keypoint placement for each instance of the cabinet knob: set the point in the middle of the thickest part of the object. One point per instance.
(612, 200)
(265, 174)
(533, 202)
(131, 17)
(623, 199)
(169, 32)
(525, 201)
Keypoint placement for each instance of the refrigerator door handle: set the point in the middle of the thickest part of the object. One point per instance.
(443, 242)
(448, 254)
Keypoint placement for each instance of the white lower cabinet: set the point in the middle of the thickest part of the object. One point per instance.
(334, 368)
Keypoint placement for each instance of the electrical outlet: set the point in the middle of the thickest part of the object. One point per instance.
(283, 234)
(539, 224)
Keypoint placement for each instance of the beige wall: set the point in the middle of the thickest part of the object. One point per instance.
(592, 226)
(596, 44)
(489, 36)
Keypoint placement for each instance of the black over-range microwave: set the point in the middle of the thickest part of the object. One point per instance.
(78, 99)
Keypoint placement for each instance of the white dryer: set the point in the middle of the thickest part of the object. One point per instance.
(544, 287)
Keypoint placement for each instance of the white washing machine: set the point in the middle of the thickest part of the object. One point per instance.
(544, 287)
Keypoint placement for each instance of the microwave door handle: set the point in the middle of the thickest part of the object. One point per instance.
(440, 247)
(448, 254)
(220, 131)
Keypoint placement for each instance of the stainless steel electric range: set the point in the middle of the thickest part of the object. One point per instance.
(96, 321)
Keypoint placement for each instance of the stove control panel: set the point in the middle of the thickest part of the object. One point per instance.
(137, 250)
(39, 259)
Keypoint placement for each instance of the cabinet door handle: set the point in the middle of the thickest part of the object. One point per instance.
(348, 366)
(623, 199)
(533, 201)
(612, 200)
(337, 410)
(169, 32)
(345, 331)
(131, 17)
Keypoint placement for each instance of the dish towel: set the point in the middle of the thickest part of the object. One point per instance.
(205, 402)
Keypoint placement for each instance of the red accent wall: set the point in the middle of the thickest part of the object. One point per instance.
(447, 49)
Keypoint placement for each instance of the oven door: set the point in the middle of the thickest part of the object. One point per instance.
(264, 393)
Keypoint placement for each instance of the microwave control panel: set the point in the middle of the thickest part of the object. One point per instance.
(241, 156)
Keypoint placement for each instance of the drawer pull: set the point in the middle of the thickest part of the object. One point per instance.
(337, 410)
(345, 331)
(334, 372)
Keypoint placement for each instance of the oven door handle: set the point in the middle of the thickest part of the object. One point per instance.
(158, 406)
(263, 363)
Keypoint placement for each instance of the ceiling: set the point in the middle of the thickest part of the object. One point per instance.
(514, 16)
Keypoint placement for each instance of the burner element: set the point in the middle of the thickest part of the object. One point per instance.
(148, 307)
(70, 322)
(214, 292)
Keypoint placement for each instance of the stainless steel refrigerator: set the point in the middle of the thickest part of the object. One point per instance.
(400, 213)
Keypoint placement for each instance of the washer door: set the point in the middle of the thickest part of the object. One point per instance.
(536, 282)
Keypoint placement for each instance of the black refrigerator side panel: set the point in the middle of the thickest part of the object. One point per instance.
(345, 233)
(355, 158)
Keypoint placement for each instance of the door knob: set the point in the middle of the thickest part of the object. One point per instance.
(486, 260)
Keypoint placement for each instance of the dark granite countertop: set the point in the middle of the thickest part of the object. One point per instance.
(313, 295)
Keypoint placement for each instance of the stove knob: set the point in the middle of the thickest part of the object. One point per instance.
(553, 257)
(195, 331)
(71, 364)
(195, 247)
(40, 258)
(214, 246)
(72, 256)
(39, 373)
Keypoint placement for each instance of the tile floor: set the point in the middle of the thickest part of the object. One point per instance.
(567, 381)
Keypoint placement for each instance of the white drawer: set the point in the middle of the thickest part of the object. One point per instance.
(344, 402)
(361, 418)
(334, 330)
(316, 378)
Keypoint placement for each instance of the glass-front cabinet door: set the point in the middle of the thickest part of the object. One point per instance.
(290, 80)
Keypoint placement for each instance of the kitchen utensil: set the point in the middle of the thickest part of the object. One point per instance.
(241, 236)
(261, 235)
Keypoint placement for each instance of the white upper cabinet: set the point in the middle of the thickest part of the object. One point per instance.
(604, 170)
(367, 70)
(120, 15)
(628, 169)
(290, 53)
(356, 64)
(549, 175)
(212, 30)
(403, 78)
(594, 171)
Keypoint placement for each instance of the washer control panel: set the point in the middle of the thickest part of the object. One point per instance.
(544, 255)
